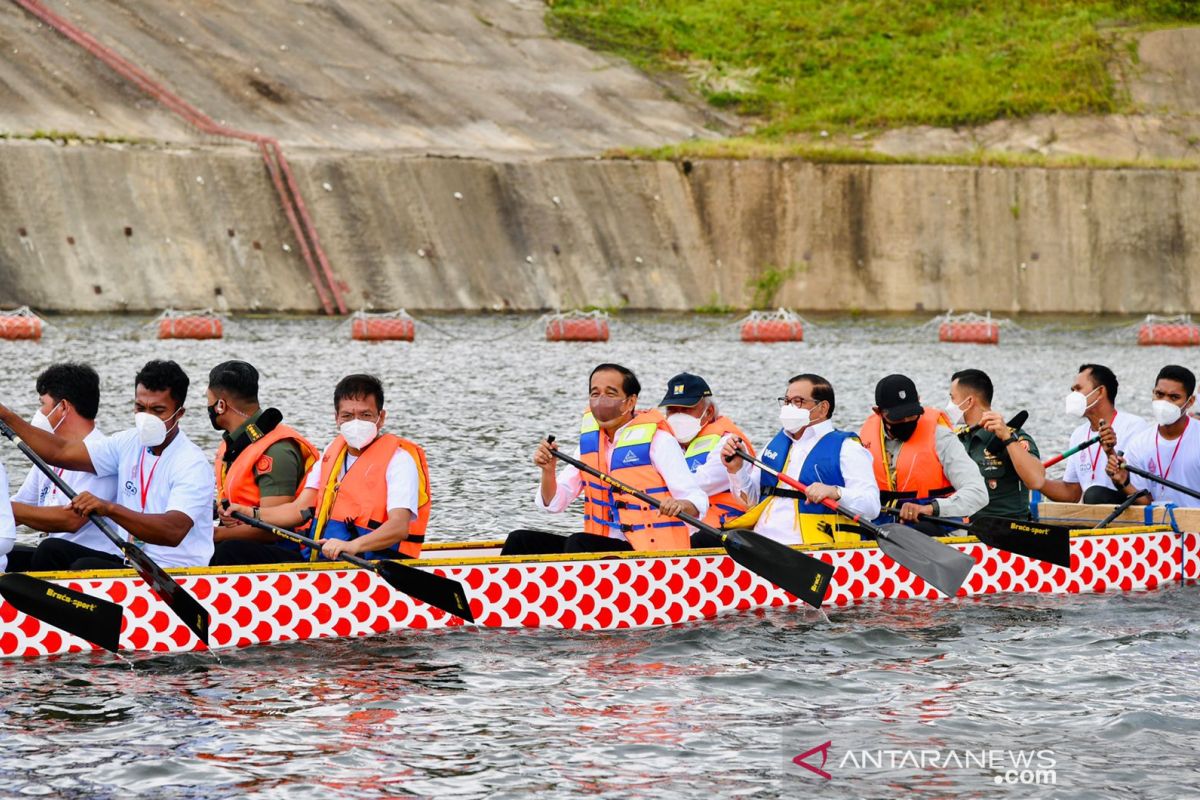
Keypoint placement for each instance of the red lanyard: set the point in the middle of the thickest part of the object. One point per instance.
(1099, 449)
(1175, 452)
(143, 481)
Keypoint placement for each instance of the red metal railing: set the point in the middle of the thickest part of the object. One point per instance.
(327, 286)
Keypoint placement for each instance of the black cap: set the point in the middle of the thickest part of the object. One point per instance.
(896, 396)
(685, 389)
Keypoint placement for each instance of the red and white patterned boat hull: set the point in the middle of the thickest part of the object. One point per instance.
(262, 605)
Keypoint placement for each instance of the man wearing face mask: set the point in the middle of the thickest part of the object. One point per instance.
(260, 462)
(920, 465)
(702, 431)
(352, 510)
(1007, 458)
(831, 463)
(165, 487)
(1092, 397)
(69, 397)
(1170, 450)
(635, 447)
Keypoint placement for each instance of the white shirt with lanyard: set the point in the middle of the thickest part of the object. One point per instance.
(38, 490)
(1087, 466)
(1177, 460)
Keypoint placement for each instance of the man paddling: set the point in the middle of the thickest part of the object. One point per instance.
(370, 495)
(165, 491)
(69, 398)
(1170, 450)
(920, 465)
(833, 465)
(260, 462)
(702, 431)
(1093, 396)
(1007, 458)
(636, 447)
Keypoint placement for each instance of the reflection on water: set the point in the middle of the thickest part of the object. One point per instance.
(1108, 682)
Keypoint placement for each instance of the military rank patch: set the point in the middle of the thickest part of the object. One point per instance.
(264, 465)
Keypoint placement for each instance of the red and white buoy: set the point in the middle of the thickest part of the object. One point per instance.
(190, 325)
(772, 326)
(20, 324)
(577, 326)
(393, 326)
(968, 329)
(1170, 331)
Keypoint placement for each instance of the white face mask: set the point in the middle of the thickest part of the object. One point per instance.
(152, 431)
(684, 426)
(42, 421)
(793, 419)
(1166, 412)
(955, 413)
(358, 433)
(1076, 403)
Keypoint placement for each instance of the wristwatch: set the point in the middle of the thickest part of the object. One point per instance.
(254, 512)
(1011, 441)
(937, 510)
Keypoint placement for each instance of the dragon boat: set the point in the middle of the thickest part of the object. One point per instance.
(1143, 549)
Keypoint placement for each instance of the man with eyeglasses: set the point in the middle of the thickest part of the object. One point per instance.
(831, 463)
(353, 510)
(920, 465)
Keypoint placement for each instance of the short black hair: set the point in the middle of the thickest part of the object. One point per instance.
(1103, 376)
(1183, 375)
(158, 375)
(236, 378)
(822, 389)
(975, 380)
(629, 382)
(358, 386)
(77, 383)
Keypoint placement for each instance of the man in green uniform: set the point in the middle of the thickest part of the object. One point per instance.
(260, 463)
(1008, 458)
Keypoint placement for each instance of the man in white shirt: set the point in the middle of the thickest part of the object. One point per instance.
(832, 464)
(355, 512)
(634, 447)
(69, 397)
(1171, 449)
(165, 483)
(8, 528)
(1093, 397)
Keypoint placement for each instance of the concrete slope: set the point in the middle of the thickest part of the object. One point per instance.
(451, 77)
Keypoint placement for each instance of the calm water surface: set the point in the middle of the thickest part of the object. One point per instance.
(1104, 687)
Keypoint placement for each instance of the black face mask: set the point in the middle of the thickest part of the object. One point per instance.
(212, 416)
(902, 430)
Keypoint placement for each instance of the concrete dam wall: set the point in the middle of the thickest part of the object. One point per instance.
(98, 227)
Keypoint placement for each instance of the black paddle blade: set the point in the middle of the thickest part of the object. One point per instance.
(1049, 543)
(937, 563)
(444, 593)
(91, 618)
(181, 603)
(799, 573)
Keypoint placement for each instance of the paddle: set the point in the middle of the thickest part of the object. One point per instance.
(91, 618)
(184, 606)
(995, 446)
(1152, 477)
(1049, 543)
(1084, 446)
(444, 593)
(1116, 512)
(804, 576)
(939, 564)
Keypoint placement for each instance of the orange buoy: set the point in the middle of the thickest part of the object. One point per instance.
(190, 327)
(577, 329)
(20, 326)
(772, 330)
(1173, 334)
(382, 329)
(972, 332)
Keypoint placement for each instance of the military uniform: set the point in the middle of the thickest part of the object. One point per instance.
(1007, 495)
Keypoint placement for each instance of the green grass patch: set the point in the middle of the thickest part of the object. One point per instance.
(803, 65)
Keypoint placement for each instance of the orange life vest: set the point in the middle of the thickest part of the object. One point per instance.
(724, 505)
(918, 471)
(606, 510)
(357, 504)
(236, 482)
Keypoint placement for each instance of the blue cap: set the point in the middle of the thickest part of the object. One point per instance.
(685, 389)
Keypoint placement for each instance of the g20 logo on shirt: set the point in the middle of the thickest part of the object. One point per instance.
(130, 488)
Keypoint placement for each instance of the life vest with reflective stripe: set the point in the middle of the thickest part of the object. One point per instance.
(356, 504)
(236, 482)
(817, 524)
(605, 509)
(917, 473)
(723, 505)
